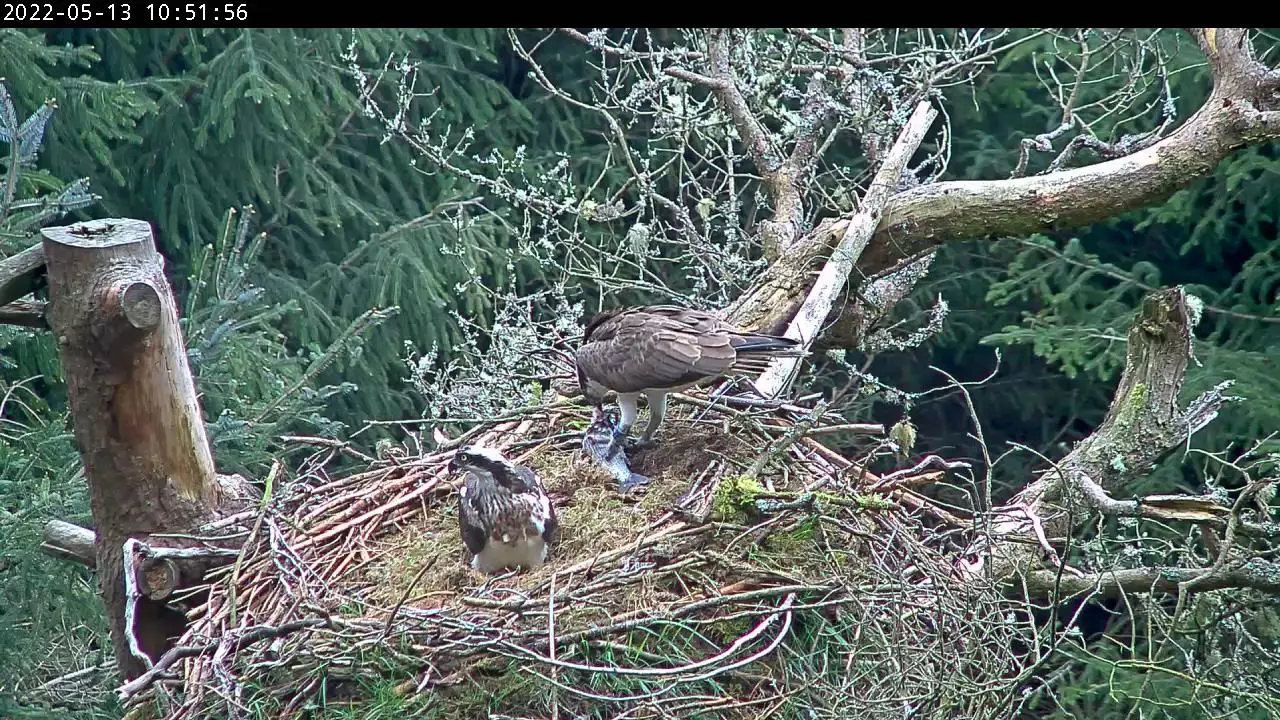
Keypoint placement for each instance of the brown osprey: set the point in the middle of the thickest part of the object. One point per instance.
(658, 349)
(507, 520)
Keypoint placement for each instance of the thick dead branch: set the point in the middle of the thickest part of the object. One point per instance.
(1144, 422)
(1241, 110)
(1234, 115)
(133, 404)
(158, 577)
(69, 541)
(1156, 507)
(1255, 574)
(26, 314)
(835, 274)
(19, 273)
(1203, 510)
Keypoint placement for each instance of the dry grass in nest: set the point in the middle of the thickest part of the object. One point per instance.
(758, 572)
(593, 518)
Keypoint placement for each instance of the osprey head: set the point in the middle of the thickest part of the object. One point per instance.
(596, 319)
(478, 458)
(489, 463)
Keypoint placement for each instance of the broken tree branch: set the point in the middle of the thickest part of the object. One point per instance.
(1144, 422)
(1242, 109)
(19, 273)
(26, 314)
(70, 542)
(1255, 574)
(807, 323)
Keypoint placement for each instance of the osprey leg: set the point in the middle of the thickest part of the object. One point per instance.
(657, 411)
(628, 404)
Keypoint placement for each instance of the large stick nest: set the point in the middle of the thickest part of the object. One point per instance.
(761, 571)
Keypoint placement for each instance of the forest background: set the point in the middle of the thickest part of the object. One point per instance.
(317, 264)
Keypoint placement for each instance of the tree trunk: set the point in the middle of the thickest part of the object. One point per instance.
(1144, 422)
(133, 405)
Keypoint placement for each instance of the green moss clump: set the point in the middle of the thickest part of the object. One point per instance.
(735, 498)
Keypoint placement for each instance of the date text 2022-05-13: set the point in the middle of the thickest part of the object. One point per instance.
(107, 14)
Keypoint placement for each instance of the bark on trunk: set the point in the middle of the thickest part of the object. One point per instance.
(133, 405)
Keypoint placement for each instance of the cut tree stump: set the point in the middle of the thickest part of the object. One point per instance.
(134, 411)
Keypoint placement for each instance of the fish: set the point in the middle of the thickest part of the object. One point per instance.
(602, 442)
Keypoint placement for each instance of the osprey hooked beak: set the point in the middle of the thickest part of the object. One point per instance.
(504, 514)
(591, 392)
(469, 457)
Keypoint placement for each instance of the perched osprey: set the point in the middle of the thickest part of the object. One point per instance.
(506, 518)
(658, 349)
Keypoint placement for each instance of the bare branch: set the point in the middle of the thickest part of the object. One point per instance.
(1144, 422)
(780, 177)
(817, 306)
(19, 273)
(69, 541)
(1255, 574)
(1239, 111)
(26, 313)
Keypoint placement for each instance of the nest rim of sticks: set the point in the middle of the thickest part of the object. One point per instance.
(753, 534)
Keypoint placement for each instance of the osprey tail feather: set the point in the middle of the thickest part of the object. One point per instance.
(772, 345)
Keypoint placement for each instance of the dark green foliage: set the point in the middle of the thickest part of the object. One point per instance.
(208, 119)
(253, 389)
(50, 616)
(51, 619)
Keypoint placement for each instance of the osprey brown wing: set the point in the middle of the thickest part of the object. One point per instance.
(636, 350)
(473, 535)
(551, 524)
